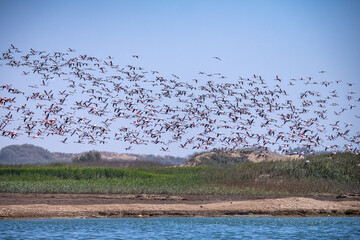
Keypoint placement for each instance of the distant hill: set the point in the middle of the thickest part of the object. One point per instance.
(25, 154)
(167, 160)
(233, 157)
(30, 154)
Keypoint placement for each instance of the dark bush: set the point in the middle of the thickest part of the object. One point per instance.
(92, 156)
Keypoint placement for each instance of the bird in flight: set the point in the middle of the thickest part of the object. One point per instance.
(149, 107)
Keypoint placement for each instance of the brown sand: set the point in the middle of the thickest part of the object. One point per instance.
(35, 206)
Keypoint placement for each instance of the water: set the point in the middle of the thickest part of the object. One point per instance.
(184, 228)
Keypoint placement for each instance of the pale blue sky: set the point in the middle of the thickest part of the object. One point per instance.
(286, 38)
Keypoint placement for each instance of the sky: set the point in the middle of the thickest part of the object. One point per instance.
(291, 39)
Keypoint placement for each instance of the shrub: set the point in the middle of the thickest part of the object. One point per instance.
(91, 156)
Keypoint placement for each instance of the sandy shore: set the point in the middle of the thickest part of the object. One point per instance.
(37, 206)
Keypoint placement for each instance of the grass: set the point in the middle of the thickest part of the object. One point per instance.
(325, 174)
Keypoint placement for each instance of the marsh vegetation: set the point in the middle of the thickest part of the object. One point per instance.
(324, 174)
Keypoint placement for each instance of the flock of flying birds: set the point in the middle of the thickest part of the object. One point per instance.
(84, 99)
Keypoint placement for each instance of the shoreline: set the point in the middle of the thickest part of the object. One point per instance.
(64, 206)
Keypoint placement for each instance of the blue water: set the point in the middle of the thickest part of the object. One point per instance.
(184, 228)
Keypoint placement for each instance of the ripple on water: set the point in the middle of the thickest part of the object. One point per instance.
(184, 228)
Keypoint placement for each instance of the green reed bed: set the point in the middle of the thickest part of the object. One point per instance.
(325, 174)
